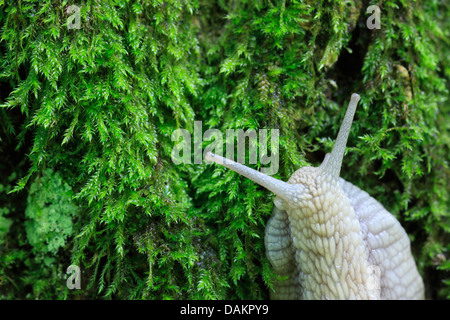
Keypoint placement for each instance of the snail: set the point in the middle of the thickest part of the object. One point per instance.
(328, 239)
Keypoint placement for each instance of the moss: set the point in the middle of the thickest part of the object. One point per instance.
(99, 105)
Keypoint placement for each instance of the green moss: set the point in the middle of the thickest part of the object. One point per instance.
(98, 105)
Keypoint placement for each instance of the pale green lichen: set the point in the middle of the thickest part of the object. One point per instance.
(50, 213)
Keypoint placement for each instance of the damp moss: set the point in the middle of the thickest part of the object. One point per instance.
(98, 105)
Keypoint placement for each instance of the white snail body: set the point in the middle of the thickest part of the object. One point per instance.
(328, 239)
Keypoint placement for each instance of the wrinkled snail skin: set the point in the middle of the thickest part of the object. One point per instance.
(328, 239)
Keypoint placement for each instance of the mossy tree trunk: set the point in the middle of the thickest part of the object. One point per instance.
(87, 116)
